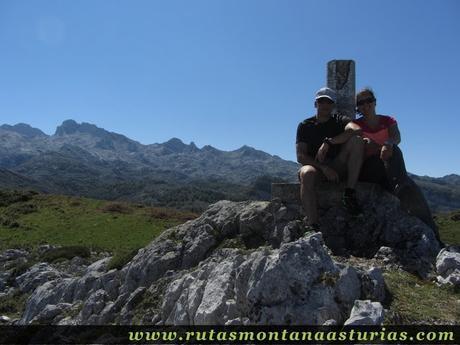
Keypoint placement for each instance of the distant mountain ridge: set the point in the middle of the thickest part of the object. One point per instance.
(83, 159)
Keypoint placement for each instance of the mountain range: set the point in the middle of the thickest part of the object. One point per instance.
(83, 159)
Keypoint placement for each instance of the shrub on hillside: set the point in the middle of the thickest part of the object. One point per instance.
(169, 213)
(8, 197)
(67, 252)
(116, 207)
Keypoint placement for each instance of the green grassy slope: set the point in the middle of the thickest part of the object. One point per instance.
(28, 220)
(449, 227)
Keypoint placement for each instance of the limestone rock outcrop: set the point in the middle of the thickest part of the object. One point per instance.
(243, 263)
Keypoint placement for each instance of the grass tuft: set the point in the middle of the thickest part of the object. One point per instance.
(121, 258)
(416, 301)
(13, 305)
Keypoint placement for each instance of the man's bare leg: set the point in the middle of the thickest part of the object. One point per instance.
(308, 175)
(352, 155)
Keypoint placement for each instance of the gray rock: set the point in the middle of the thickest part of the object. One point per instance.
(67, 290)
(77, 266)
(452, 279)
(276, 278)
(200, 297)
(372, 285)
(330, 322)
(12, 254)
(131, 302)
(447, 261)
(51, 313)
(151, 263)
(292, 231)
(111, 282)
(256, 223)
(384, 223)
(4, 319)
(386, 254)
(197, 243)
(295, 284)
(93, 306)
(42, 249)
(348, 288)
(238, 321)
(37, 275)
(365, 313)
(2, 284)
(448, 266)
(98, 266)
(50, 292)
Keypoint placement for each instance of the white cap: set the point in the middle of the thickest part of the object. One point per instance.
(326, 92)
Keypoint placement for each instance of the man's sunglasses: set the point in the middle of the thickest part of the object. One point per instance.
(324, 100)
(365, 101)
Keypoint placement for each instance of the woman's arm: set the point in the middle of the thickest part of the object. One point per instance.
(393, 134)
(394, 138)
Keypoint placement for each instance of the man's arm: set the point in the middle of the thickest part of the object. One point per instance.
(351, 129)
(305, 159)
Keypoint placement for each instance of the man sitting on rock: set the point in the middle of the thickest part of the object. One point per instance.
(328, 148)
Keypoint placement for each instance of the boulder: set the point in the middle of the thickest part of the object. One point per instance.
(365, 313)
(51, 313)
(373, 284)
(12, 254)
(37, 275)
(296, 284)
(448, 266)
(4, 319)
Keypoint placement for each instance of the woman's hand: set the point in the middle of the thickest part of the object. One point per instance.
(371, 147)
(386, 152)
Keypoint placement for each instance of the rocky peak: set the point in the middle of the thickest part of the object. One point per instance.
(247, 151)
(210, 149)
(24, 129)
(176, 145)
(71, 126)
(451, 179)
(67, 127)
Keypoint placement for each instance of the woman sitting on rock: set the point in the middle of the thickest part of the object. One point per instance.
(383, 160)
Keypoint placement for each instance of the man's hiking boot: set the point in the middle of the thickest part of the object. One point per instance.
(350, 202)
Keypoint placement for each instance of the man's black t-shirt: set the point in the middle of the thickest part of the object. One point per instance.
(312, 132)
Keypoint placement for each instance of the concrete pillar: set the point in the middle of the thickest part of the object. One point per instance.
(341, 78)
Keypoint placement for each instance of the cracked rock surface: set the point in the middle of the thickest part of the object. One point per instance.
(240, 263)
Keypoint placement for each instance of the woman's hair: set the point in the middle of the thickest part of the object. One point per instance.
(368, 90)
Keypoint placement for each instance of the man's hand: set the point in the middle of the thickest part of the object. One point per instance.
(330, 174)
(386, 152)
(322, 152)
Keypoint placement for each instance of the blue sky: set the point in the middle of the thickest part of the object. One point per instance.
(231, 73)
